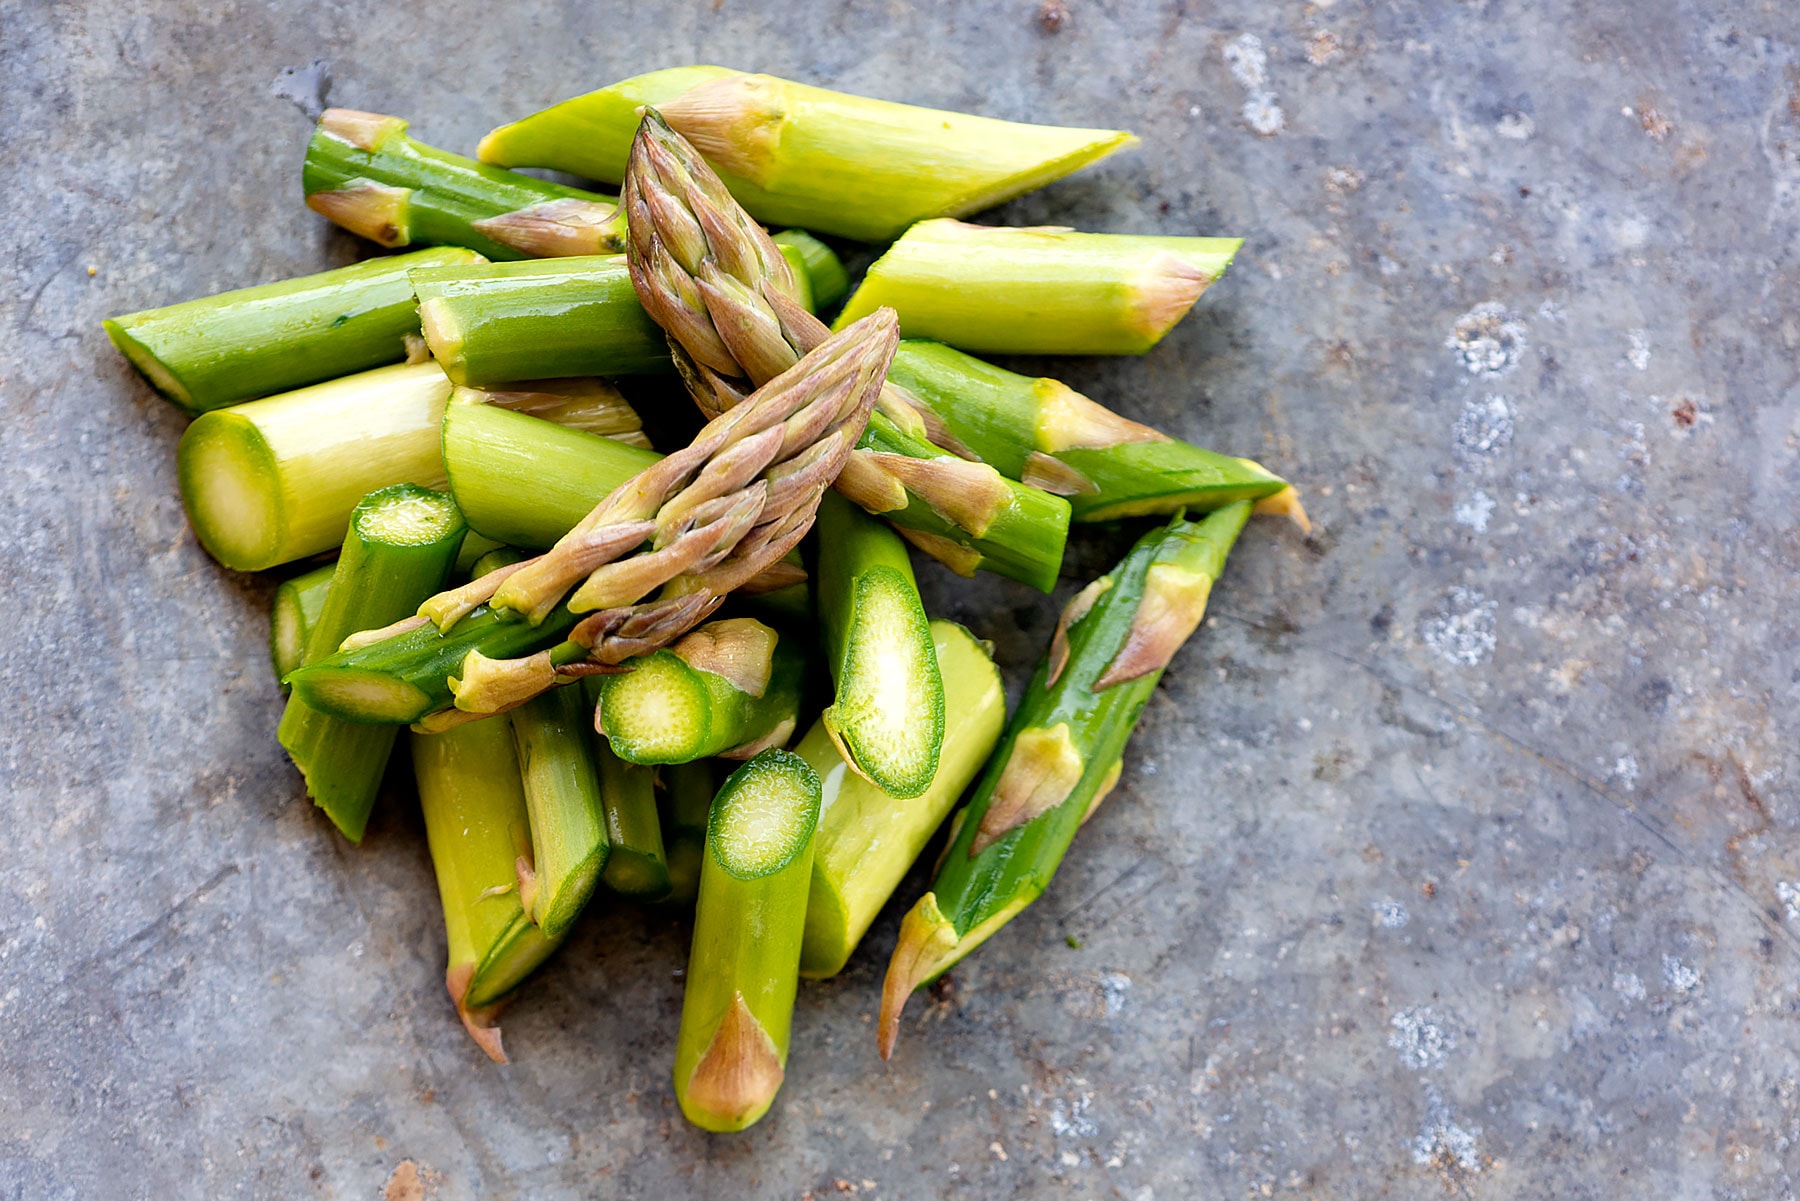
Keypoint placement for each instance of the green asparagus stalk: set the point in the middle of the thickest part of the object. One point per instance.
(562, 794)
(292, 615)
(736, 1013)
(1039, 291)
(275, 480)
(590, 405)
(1061, 753)
(498, 559)
(1047, 434)
(219, 350)
(799, 155)
(478, 828)
(638, 866)
(364, 173)
(475, 547)
(710, 276)
(685, 802)
(867, 840)
(730, 688)
(815, 265)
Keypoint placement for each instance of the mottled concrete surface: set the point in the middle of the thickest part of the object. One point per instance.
(1457, 856)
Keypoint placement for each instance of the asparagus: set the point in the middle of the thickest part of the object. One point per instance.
(498, 559)
(887, 712)
(275, 480)
(638, 866)
(1061, 753)
(475, 547)
(219, 350)
(292, 615)
(1039, 291)
(685, 803)
(589, 405)
(710, 276)
(364, 173)
(730, 688)
(816, 266)
(867, 840)
(799, 155)
(1047, 434)
(731, 1053)
(477, 826)
(562, 795)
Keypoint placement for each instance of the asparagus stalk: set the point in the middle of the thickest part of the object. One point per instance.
(1047, 434)
(562, 795)
(589, 405)
(686, 800)
(275, 480)
(815, 265)
(730, 688)
(1039, 291)
(887, 712)
(711, 277)
(364, 173)
(292, 615)
(867, 840)
(799, 155)
(731, 1053)
(1061, 753)
(219, 350)
(638, 866)
(478, 828)
(475, 547)
(499, 558)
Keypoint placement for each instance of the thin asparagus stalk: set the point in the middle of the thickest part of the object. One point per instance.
(711, 277)
(478, 827)
(1061, 753)
(736, 1013)
(799, 155)
(400, 547)
(475, 547)
(219, 350)
(562, 794)
(364, 173)
(638, 866)
(292, 615)
(887, 712)
(1039, 291)
(590, 405)
(1047, 434)
(686, 801)
(867, 840)
(275, 480)
(495, 560)
(816, 265)
(730, 688)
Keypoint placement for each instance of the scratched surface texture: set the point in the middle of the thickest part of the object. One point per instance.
(1458, 855)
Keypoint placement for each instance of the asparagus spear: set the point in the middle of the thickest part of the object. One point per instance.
(1039, 291)
(562, 795)
(867, 840)
(731, 1054)
(730, 688)
(799, 155)
(274, 480)
(887, 712)
(710, 276)
(1046, 433)
(292, 614)
(686, 801)
(216, 351)
(816, 266)
(364, 173)
(1061, 753)
(638, 866)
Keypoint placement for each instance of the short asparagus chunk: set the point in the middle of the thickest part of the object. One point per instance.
(638, 866)
(685, 802)
(562, 795)
(292, 615)
(738, 1007)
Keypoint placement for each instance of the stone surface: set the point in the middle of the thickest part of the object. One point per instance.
(1456, 856)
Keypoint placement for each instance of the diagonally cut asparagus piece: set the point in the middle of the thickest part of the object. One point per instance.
(293, 612)
(639, 865)
(562, 796)
(685, 802)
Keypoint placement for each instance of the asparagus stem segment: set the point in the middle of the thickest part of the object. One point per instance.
(562, 794)
(736, 1013)
(730, 688)
(478, 828)
(1039, 291)
(275, 480)
(887, 712)
(292, 615)
(799, 155)
(582, 403)
(1047, 434)
(867, 840)
(685, 803)
(364, 173)
(1062, 747)
(638, 865)
(219, 350)
(815, 263)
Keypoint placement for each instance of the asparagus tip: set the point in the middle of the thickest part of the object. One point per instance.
(927, 943)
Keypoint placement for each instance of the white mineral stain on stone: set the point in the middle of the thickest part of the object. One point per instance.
(1680, 976)
(1474, 511)
(1113, 987)
(1249, 65)
(1625, 771)
(1461, 629)
(1390, 914)
(1069, 1118)
(1639, 354)
(1421, 1042)
(1789, 894)
(1444, 1142)
(1485, 426)
(1628, 985)
(1516, 127)
(1488, 340)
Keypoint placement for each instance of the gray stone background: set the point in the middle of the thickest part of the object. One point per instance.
(1456, 856)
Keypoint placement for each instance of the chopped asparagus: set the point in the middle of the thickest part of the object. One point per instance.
(292, 614)
(562, 794)
(685, 802)
(638, 866)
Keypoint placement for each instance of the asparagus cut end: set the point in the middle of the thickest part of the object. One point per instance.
(1285, 503)
(555, 913)
(764, 816)
(514, 956)
(147, 364)
(736, 1080)
(223, 467)
(928, 948)
(658, 712)
(632, 873)
(371, 697)
(413, 517)
(443, 336)
(889, 669)
(479, 1023)
(1165, 289)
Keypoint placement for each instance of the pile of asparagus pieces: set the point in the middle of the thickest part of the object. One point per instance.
(582, 633)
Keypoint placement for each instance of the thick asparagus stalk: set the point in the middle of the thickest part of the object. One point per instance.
(638, 866)
(815, 265)
(799, 155)
(1061, 753)
(292, 614)
(478, 828)
(400, 546)
(887, 711)
(364, 173)
(731, 1054)
(867, 840)
(590, 405)
(216, 351)
(275, 480)
(711, 277)
(562, 795)
(1039, 291)
(1047, 434)
(685, 802)
(730, 688)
